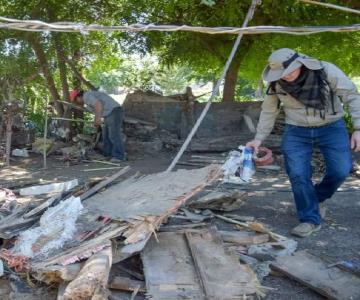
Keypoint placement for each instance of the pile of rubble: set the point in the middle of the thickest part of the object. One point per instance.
(161, 235)
(13, 130)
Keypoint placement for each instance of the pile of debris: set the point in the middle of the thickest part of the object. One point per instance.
(13, 130)
(74, 235)
(160, 235)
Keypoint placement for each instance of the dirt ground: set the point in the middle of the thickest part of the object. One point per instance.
(270, 201)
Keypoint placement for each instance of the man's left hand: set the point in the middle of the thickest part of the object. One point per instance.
(355, 141)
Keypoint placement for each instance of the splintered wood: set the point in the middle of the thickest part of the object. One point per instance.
(194, 265)
(145, 202)
(148, 195)
(93, 277)
(160, 194)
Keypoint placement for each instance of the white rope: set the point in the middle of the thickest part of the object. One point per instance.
(215, 90)
(38, 26)
(355, 11)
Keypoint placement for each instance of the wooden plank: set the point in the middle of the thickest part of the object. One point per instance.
(222, 275)
(135, 274)
(180, 227)
(104, 183)
(127, 284)
(42, 207)
(56, 273)
(220, 200)
(14, 224)
(149, 195)
(312, 271)
(169, 269)
(244, 237)
(84, 250)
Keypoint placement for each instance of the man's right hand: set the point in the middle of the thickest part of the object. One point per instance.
(255, 144)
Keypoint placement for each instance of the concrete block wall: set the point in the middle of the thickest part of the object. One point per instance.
(178, 117)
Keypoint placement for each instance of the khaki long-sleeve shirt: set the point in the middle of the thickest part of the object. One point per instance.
(296, 113)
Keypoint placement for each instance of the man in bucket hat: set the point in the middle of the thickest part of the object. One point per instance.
(311, 93)
(103, 106)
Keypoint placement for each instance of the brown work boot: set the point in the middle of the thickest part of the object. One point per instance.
(305, 229)
(322, 210)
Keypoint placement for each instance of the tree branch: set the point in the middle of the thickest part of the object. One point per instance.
(78, 74)
(62, 66)
(40, 54)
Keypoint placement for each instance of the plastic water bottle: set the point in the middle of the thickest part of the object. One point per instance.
(248, 168)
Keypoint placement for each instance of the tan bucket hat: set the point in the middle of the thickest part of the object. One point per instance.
(283, 61)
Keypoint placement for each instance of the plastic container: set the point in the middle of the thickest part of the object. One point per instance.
(248, 168)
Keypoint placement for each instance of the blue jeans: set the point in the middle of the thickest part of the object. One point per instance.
(112, 139)
(298, 144)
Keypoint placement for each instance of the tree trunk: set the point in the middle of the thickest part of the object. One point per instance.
(61, 63)
(40, 54)
(231, 76)
(62, 66)
(230, 81)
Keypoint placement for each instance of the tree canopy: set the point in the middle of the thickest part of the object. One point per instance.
(207, 53)
(38, 64)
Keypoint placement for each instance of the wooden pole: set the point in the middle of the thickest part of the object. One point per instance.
(9, 122)
(45, 132)
(248, 17)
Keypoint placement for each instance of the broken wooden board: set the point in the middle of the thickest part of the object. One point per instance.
(194, 266)
(146, 202)
(312, 271)
(57, 187)
(82, 251)
(57, 273)
(11, 225)
(169, 271)
(149, 195)
(244, 237)
(104, 183)
(222, 275)
(126, 284)
(220, 200)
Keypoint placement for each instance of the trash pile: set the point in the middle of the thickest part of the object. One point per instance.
(168, 235)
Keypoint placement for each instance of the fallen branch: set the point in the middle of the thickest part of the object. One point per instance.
(93, 277)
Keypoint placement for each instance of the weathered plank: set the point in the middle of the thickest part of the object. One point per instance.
(312, 271)
(169, 270)
(194, 265)
(104, 183)
(127, 284)
(220, 200)
(150, 195)
(84, 250)
(222, 276)
(244, 237)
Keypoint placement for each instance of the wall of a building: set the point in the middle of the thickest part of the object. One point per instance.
(178, 117)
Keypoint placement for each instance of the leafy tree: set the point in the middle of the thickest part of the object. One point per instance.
(207, 53)
(55, 54)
